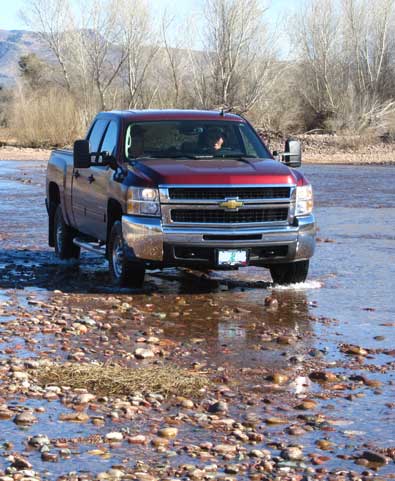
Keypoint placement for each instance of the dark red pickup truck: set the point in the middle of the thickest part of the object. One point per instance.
(153, 189)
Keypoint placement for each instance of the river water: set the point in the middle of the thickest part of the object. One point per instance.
(349, 297)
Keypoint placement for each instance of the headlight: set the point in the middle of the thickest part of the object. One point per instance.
(304, 200)
(143, 201)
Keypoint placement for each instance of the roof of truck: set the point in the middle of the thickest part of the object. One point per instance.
(175, 114)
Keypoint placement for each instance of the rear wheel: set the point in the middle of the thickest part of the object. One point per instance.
(124, 272)
(290, 273)
(64, 235)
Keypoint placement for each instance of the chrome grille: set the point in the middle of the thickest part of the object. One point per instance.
(219, 216)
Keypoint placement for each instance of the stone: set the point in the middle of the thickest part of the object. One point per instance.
(20, 462)
(218, 407)
(374, 457)
(168, 433)
(39, 441)
(25, 418)
(142, 353)
(292, 453)
(114, 436)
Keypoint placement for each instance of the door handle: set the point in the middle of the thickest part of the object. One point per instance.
(91, 179)
(76, 174)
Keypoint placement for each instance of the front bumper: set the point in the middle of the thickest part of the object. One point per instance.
(159, 245)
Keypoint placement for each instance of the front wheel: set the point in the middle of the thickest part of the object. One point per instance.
(64, 235)
(290, 273)
(124, 272)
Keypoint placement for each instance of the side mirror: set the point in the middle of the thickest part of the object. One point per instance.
(81, 155)
(292, 155)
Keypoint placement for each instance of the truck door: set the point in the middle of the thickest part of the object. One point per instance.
(99, 180)
(82, 182)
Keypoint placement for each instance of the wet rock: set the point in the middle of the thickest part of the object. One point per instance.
(39, 441)
(306, 405)
(138, 439)
(278, 378)
(5, 413)
(25, 418)
(374, 457)
(79, 417)
(218, 407)
(323, 376)
(292, 453)
(49, 457)
(142, 353)
(225, 449)
(325, 445)
(232, 468)
(271, 302)
(20, 462)
(84, 398)
(168, 433)
(160, 442)
(185, 403)
(114, 436)
(276, 420)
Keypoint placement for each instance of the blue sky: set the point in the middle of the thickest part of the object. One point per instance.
(9, 9)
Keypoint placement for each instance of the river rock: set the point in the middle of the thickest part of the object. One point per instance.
(374, 457)
(114, 436)
(142, 353)
(292, 453)
(39, 441)
(26, 418)
(19, 462)
(168, 433)
(218, 407)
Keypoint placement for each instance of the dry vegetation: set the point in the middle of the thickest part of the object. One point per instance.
(116, 380)
(339, 77)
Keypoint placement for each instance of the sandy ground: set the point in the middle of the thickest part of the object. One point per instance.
(384, 154)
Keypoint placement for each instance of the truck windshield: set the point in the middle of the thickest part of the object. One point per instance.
(196, 139)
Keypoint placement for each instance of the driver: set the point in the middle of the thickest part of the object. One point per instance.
(213, 138)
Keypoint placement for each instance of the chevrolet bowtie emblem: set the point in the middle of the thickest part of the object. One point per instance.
(231, 204)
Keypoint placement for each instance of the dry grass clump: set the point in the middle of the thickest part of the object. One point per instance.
(116, 380)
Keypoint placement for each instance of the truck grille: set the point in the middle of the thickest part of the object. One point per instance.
(219, 193)
(217, 216)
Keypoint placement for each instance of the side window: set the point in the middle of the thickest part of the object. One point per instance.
(110, 138)
(96, 134)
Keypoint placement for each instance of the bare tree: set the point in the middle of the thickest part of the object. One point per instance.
(52, 19)
(238, 53)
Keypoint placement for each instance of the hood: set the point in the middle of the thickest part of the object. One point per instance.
(215, 171)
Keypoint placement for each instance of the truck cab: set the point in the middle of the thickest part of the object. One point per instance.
(154, 189)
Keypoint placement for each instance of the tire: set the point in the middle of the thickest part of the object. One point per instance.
(290, 273)
(124, 272)
(63, 237)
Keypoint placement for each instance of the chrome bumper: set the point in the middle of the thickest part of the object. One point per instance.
(147, 237)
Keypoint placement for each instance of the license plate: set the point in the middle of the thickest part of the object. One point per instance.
(232, 258)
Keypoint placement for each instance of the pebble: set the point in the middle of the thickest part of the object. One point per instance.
(292, 453)
(168, 433)
(142, 353)
(39, 441)
(114, 436)
(374, 457)
(138, 439)
(25, 418)
(20, 462)
(218, 407)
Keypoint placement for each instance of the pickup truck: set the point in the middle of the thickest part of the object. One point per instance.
(160, 188)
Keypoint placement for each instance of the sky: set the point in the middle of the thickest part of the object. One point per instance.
(9, 19)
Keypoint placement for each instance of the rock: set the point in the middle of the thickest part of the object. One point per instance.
(232, 469)
(271, 302)
(374, 457)
(218, 407)
(20, 462)
(278, 378)
(168, 433)
(5, 414)
(276, 420)
(49, 457)
(79, 417)
(160, 442)
(323, 376)
(225, 449)
(142, 353)
(325, 445)
(292, 453)
(25, 418)
(84, 398)
(138, 439)
(185, 403)
(114, 436)
(39, 441)
(20, 376)
(306, 405)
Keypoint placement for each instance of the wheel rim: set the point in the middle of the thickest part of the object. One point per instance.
(59, 236)
(117, 257)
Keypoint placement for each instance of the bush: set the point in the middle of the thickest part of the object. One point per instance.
(45, 118)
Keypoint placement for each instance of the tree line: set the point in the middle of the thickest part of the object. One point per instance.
(329, 66)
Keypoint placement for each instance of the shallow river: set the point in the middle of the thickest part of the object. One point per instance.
(349, 298)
